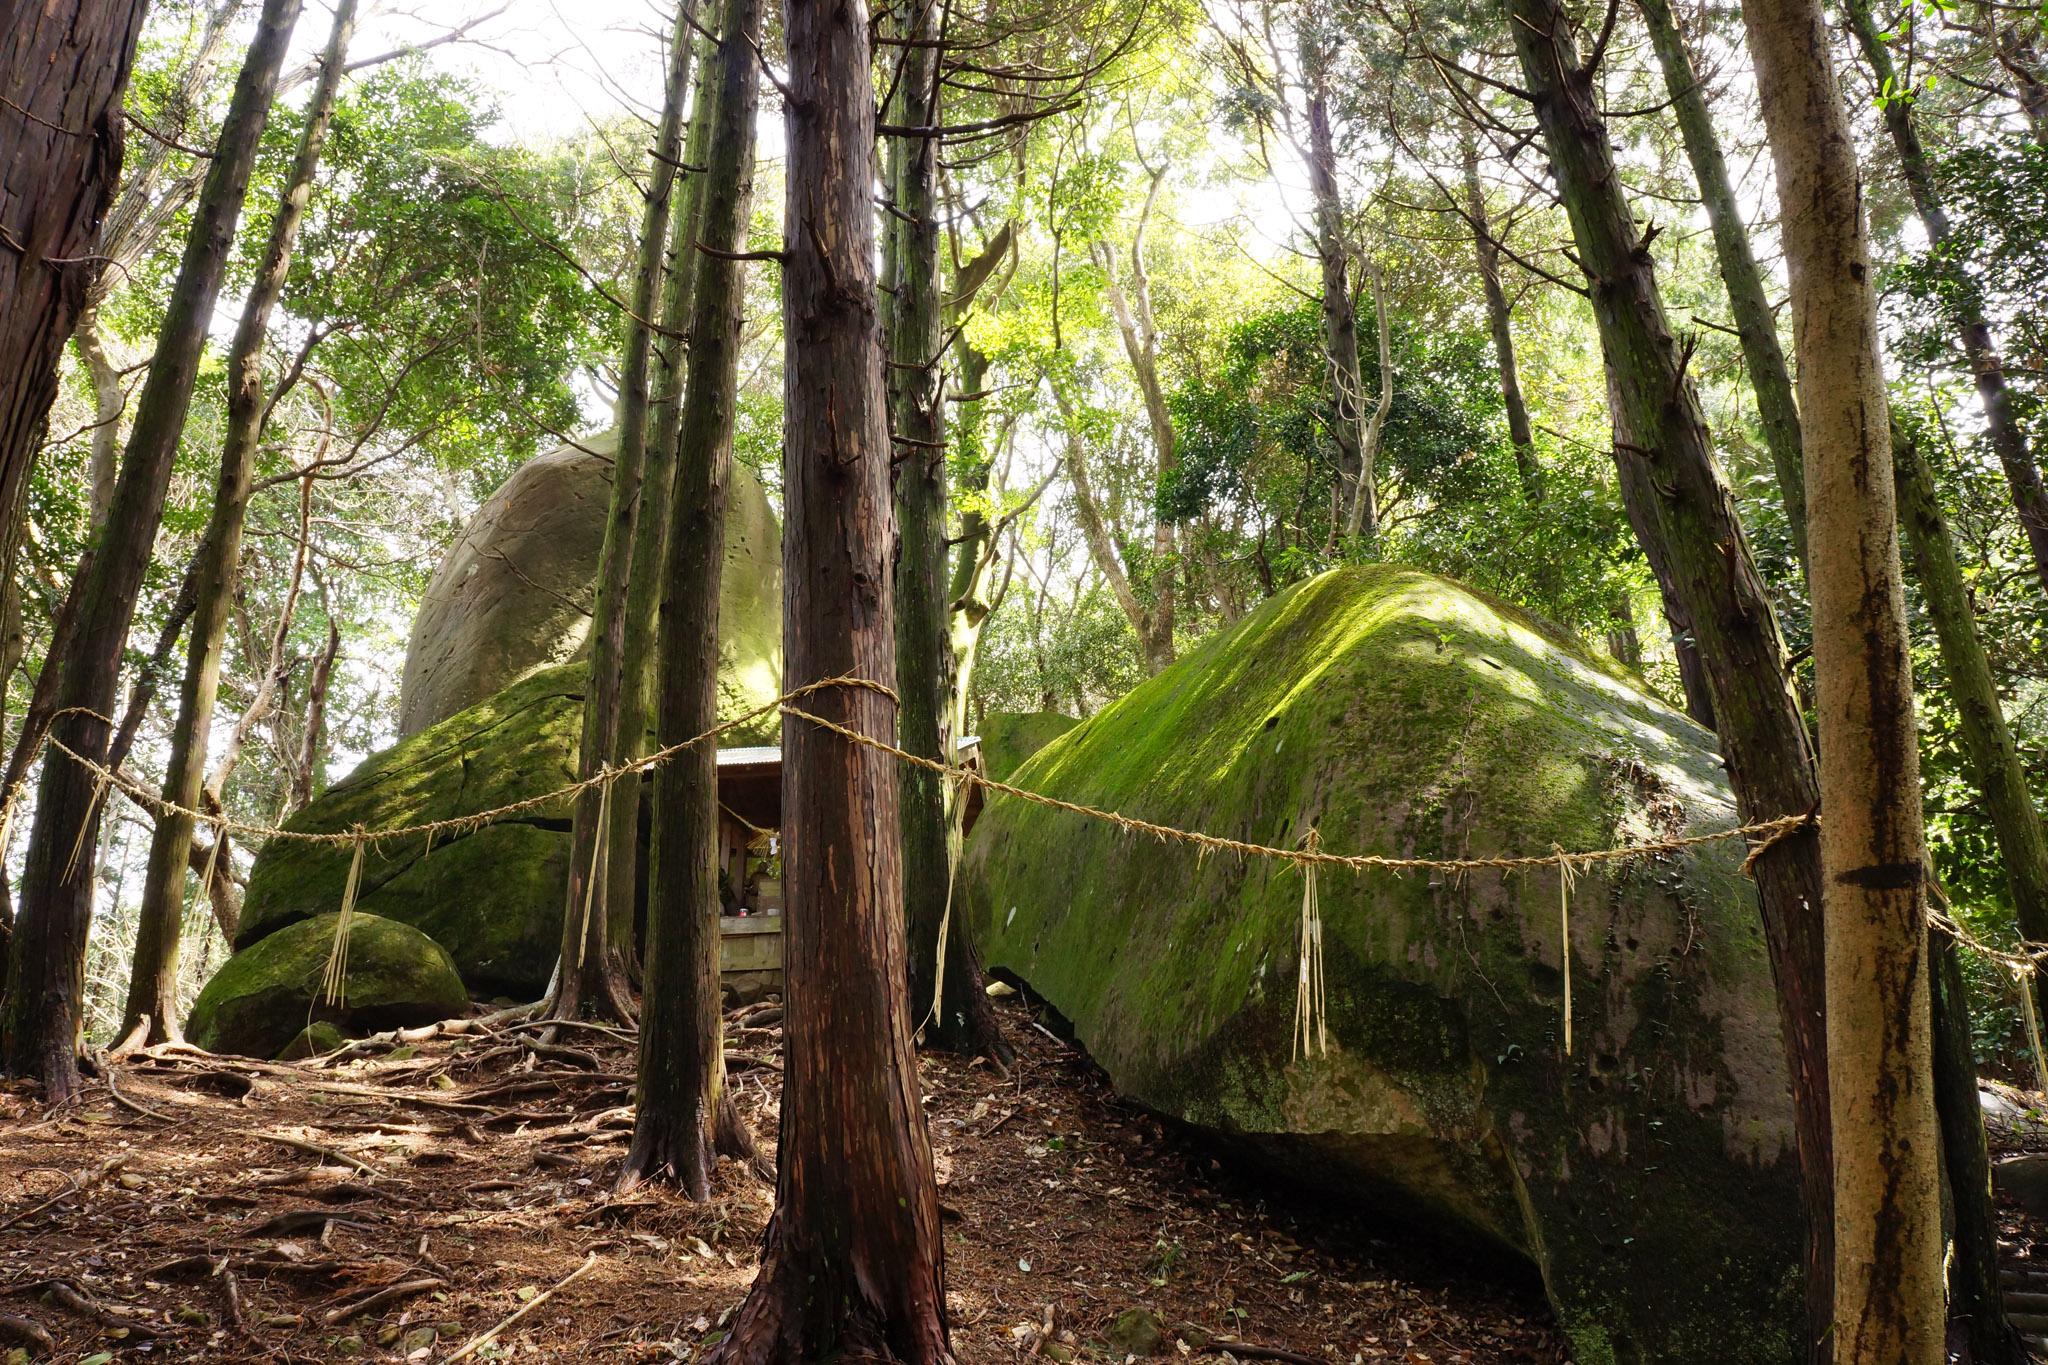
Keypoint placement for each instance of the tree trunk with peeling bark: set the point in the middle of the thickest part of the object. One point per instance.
(63, 74)
(1684, 516)
(1888, 1233)
(153, 978)
(39, 1030)
(853, 1263)
(684, 1118)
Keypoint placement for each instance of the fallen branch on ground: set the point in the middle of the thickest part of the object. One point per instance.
(483, 1339)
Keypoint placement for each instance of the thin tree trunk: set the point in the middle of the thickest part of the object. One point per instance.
(63, 74)
(945, 981)
(1682, 511)
(39, 1031)
(279, 665)
(153, 979)
(853, 1264)
(315, 736)
(593, 972)
(109, 401)
(1140, 332)
(677, 1125)
(1888, 1243)
(1361, 523)
(644, 584)
(1344, 384)
(1500, 320)
(1963, 298)
(1994, 759)
(966, 586)
(1769, 377)
(1153, 652)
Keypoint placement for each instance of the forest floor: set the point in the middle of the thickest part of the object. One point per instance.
(394, 1207)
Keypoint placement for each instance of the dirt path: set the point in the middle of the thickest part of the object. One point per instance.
(393, 1208)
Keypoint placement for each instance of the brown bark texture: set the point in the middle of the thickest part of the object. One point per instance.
(682, 1068)
(853, 1263)
(63, 73)
(42, 1019)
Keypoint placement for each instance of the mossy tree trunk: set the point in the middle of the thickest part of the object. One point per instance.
(593, 972)
(41, 1024)
(1500, 322)
(1964, 298)
(852, 1267)
(645, 580)
(1749, 305)
(677, 1125)
(945, 976)
(1888, 1236)
(63, 72)
(1683, 513)
(1994, 759)
(153, 980)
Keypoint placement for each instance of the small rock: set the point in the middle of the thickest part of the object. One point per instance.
(1136, 1332)
(2024, 1180)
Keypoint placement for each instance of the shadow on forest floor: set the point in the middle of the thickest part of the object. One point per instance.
(391, 1208)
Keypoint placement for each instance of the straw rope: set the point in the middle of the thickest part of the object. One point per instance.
(1763, 835)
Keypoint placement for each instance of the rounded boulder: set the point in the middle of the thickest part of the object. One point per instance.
(267, 995)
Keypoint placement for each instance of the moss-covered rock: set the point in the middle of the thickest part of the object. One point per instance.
(1010, 737)
(493, 897)
(315, 1039)
(264, 997)
(514, 593)
(1650, 1175)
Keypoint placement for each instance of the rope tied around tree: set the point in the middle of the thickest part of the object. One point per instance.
(1764, 835)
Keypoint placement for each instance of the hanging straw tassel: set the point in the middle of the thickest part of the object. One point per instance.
(86, 825)
(597, 859)
(334, 981)
(1567, 879)
(2023, 974)
(1311, 1004)
(220, 837)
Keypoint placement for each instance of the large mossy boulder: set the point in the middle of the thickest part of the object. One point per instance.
(493, 896)
(265, 997)
(491, 715)
(1010, 737)
(1649, 1176)
(514, 593)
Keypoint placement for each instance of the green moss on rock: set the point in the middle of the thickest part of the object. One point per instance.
(264, 997)
(1010, 737)
(1650, 1176)
(314, 1040)
(492, 898)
